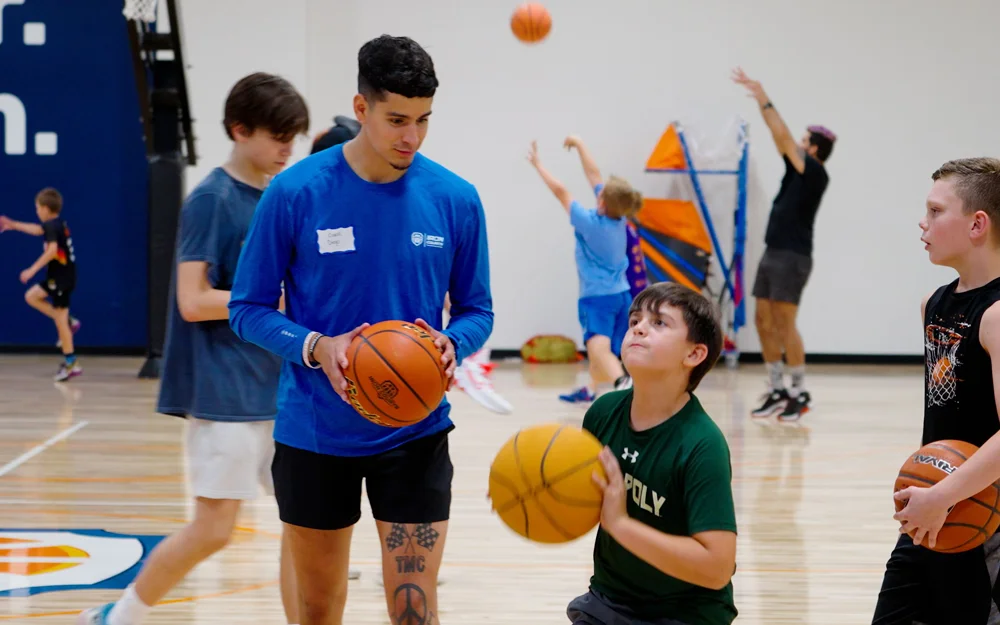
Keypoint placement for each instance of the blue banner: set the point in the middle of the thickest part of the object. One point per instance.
(71, 120)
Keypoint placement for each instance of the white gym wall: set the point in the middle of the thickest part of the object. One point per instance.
(906, 84)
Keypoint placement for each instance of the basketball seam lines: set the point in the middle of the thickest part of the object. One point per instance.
(393, 369)
(433, 356)
(531, 492)
(361, 387)
(524, 478)
(541, 475)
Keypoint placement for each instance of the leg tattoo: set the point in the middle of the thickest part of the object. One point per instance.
(409, 561)
(410, 602)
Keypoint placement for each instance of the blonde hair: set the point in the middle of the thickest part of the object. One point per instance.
(620, 199)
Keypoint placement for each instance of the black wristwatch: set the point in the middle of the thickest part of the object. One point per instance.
(767, 105)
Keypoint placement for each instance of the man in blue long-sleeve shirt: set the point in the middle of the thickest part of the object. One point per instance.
(362, 232)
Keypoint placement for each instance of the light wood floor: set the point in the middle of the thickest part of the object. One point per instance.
(813, 502)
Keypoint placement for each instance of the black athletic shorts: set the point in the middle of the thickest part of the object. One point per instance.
(408, 484)
(594, 608)
(782, 276)
(929, 588)
(59, 292)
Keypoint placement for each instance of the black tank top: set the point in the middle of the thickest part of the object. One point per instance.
(959, 403)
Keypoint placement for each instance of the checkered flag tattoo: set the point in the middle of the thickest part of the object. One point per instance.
(396, 537)
(426, 536)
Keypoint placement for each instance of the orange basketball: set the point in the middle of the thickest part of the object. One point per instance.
(394, 374)
(531, 22)
(972, 521)
(541, 483)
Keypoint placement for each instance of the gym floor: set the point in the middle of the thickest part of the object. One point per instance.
(813, 501)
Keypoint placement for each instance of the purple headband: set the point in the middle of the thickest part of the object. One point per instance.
(823, 130)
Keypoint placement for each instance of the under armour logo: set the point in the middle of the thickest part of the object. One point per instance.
(630, 456)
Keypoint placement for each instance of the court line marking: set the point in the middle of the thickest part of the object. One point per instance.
(37, 449)
(214, 595)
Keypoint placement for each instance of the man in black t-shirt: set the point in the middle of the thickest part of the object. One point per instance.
(787, 261)
(60, 276)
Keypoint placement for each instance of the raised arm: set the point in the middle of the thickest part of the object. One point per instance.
(590, 168)
(783, 138)
(557, 188)
(6, 223)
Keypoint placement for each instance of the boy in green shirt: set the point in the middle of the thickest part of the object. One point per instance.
(666, 547)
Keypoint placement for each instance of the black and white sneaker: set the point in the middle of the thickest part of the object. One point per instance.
(774, 402)
(796, 407)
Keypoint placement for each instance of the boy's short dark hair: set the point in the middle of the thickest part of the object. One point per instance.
(699, 315)
(395, 65)
(823, 138)
(267, 102)
(50, 199)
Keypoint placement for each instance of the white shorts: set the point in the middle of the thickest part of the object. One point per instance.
(230, 460)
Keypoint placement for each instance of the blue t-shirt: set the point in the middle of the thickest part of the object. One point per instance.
(209, 372)
(601, 250)
(349, 252)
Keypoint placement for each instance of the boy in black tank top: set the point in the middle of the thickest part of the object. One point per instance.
(961, 337)
(59, 261)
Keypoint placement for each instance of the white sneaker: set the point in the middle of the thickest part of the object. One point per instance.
(471, 378)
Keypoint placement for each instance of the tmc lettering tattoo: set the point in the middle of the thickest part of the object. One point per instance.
(409, 561)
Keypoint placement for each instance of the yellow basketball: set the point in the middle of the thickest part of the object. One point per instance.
(541, 483)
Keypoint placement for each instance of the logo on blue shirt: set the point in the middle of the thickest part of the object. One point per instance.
(426, 240)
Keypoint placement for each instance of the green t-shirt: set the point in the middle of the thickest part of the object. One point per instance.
(678, 479)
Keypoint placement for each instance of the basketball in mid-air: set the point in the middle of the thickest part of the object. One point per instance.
(531, 22)
(394, 374)
(972, 521)
(541, 483)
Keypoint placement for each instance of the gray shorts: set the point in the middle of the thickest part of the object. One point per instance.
(782, 276)
(594, 608)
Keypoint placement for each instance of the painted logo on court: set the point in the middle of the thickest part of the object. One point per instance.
(37, 561)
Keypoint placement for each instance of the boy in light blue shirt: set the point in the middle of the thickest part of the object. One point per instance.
(602, 265)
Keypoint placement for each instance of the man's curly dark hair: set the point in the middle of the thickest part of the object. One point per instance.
(395, 65)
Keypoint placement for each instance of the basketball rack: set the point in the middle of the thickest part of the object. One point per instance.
(168, 131)
(733, 309)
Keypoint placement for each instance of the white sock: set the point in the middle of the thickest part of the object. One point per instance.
(798, 377)
(775, 375)
(129, 610)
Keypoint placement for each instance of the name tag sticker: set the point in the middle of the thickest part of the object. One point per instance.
(336, 240)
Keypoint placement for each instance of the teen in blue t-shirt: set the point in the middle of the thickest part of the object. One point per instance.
(225, 389)
(363, 232)
(602, 264)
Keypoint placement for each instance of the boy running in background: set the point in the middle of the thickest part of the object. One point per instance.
(60, 274)
(602, 264)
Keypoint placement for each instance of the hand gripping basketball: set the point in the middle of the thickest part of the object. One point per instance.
(331, 354)
(443, 343)
(613, 509)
